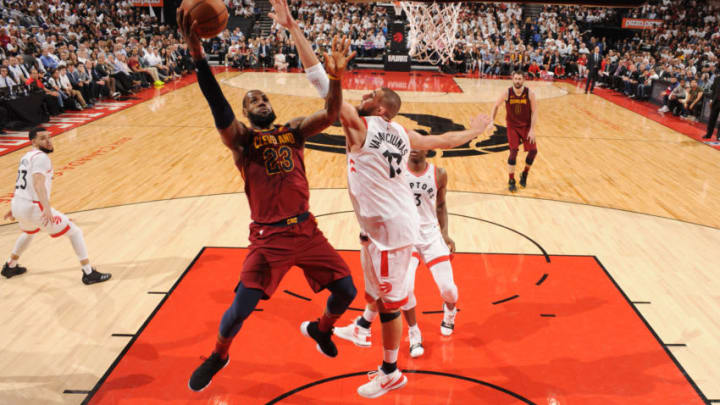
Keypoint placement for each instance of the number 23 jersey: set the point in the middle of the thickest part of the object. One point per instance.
(378, 189)
(35, 161)
(274, 173)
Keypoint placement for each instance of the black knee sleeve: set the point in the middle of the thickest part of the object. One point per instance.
(387, 317)
(245, 301)
(512, 159)
(343, 293)
(530, 157)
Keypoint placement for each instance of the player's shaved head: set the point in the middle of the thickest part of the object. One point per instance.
(391, 101)
(250, 94)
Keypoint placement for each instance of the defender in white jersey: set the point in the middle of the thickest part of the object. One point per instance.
(30, 205)
(378, 151)
(428, 187)
(428, 184)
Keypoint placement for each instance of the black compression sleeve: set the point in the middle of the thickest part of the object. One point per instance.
(210, 88)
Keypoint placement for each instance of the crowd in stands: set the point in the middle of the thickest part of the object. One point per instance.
(495, 39)
(75, 53)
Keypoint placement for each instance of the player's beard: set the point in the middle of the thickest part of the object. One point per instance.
(262, 121)
(46, 150)
(518, 85)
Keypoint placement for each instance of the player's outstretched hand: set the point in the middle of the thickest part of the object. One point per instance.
(480, 122)
(281, 14)
(188, 29)
(337, 62)
(9, 216)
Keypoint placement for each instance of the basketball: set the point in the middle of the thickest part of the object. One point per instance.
(211, 16)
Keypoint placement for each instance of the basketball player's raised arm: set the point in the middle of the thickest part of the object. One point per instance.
(328, 85)
(451, 139)
(441, 207)
(314, 71)
(234, 134)
(533, 116)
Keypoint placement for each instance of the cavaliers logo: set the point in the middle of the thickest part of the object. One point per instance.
(335, 142)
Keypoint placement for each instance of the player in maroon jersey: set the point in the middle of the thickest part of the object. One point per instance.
(283, 233)
(521, 115)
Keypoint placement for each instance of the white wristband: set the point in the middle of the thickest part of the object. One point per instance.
(317, 76)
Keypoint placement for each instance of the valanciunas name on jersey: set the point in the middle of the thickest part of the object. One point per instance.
(381, 137)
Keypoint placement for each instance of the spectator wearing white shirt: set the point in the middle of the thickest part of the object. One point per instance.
(67, 88)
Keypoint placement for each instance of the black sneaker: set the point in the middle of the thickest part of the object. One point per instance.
(202, 376)
(523, 179)
(325, 344)
(95, 277)
(511, 185)
(707, 136)
(8, 271)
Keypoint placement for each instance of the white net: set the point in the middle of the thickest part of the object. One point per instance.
(433, 27)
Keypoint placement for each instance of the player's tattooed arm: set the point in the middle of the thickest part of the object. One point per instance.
(335, 65)
(451, 139)
(441, 207)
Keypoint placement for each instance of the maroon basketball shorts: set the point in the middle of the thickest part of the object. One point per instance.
(515, 134)
(273, 250)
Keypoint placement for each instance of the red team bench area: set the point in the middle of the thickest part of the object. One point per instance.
(529, 331)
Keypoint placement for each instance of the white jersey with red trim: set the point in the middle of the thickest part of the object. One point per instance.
(379, 192)
(424, 188)
(35, 161)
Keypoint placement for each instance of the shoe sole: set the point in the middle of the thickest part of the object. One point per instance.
(444, 333)
(209, 382)
(351, 339)
(385, 391)
(303, 330)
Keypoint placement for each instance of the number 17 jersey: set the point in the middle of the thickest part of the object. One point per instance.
(378, 189)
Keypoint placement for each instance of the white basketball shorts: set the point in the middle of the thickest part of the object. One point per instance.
(29, 216)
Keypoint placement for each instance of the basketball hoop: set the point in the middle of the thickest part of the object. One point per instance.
(433, 27)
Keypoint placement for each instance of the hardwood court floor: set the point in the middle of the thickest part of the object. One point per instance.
(607, 183)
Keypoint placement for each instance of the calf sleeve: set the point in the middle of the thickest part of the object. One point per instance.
(443, 275)
(22, 243)
(78, 241)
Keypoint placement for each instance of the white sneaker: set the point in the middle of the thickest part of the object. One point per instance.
(664, 109)
(354, 333)
(448, 323)
(380, 383)
(416, 347)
